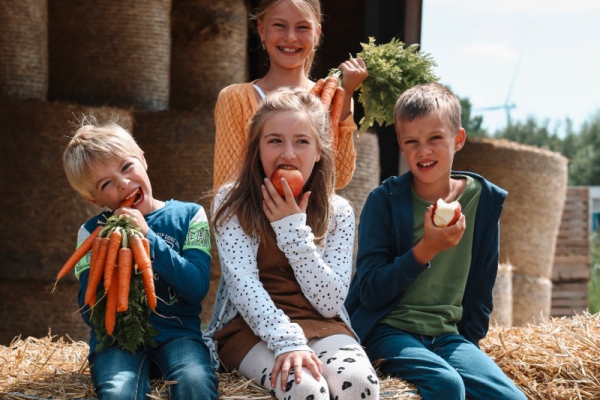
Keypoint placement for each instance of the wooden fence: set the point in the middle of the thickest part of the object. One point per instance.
(571, 271)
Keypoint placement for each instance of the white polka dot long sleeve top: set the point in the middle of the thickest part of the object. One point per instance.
(323, 272)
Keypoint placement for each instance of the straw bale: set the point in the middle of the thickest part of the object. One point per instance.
(24, 44)
(503, 297)
(536, 180)
(209, 50)
(532, 297)
(110, 52)
(556, 359)
(42, 212)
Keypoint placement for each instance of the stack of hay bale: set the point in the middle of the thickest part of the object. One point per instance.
(113, 60)
(536, 181)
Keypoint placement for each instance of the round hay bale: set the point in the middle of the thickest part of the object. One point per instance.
(209, 50)
(44, 212)
(24, 44)
(536, 180)
(503, 297)
(110, 52)
(30, 308)
(532, 297)
(179, 148)
(365, 178)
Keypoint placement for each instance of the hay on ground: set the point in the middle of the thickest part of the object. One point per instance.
(556, 359)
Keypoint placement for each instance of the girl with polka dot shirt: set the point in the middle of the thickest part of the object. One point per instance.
(286, 262)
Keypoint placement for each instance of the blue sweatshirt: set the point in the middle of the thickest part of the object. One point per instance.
(179, 238)
(386, 266)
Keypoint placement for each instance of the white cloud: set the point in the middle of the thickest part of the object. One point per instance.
(493, 51)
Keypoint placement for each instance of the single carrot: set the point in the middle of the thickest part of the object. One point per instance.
(318, 87)
(145, 266)
(329, 90)
(148, 279)
(124, 266)
(79, 253)
(129, 201)
(146, 244)
(96, 270)
(139, 252)
(110, 316)
(114, 243)
(337, 105)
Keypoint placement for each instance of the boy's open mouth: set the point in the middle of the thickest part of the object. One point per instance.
(133, 199)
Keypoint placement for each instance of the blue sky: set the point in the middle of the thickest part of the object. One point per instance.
(553, 45)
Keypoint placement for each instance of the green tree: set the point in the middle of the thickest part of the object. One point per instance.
(472, 124)
(533, 133)
(584, 150)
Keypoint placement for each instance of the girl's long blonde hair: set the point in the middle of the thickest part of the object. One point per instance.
(310, 9)
(245, 200)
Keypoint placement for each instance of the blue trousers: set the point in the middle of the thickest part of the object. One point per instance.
(118, 374)
(442, 367)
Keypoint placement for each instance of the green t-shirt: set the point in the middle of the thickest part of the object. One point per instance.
(432, 304)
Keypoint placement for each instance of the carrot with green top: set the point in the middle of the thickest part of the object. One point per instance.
(95, 274)
(110, 316)
(318, 87)
(145, 266)
(124, 266)
(336, 114)
(331, 83)
(114, 243)
(79, 253)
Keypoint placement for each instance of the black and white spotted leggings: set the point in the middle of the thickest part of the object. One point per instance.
(347, 372)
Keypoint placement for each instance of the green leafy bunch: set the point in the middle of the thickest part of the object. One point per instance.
(393, 68)
(132, 329)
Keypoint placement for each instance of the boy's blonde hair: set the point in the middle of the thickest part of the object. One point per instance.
(427, 99)
(96, 144)
(246, 199)
(310, 9)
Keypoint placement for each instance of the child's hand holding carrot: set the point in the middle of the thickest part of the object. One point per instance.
(354, 72)
(136, 218)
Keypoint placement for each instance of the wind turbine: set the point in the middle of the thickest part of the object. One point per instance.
(507, 106)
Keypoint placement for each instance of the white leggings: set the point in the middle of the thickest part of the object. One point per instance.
(347, 372)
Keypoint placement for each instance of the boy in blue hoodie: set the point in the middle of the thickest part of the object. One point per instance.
(105, 165)
(421, 296)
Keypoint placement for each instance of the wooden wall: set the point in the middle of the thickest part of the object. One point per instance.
(571, 272)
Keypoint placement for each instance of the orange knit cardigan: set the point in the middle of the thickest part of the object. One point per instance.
(235, 106)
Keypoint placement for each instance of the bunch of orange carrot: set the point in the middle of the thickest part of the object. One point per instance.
(117, 248)
(332, 96)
